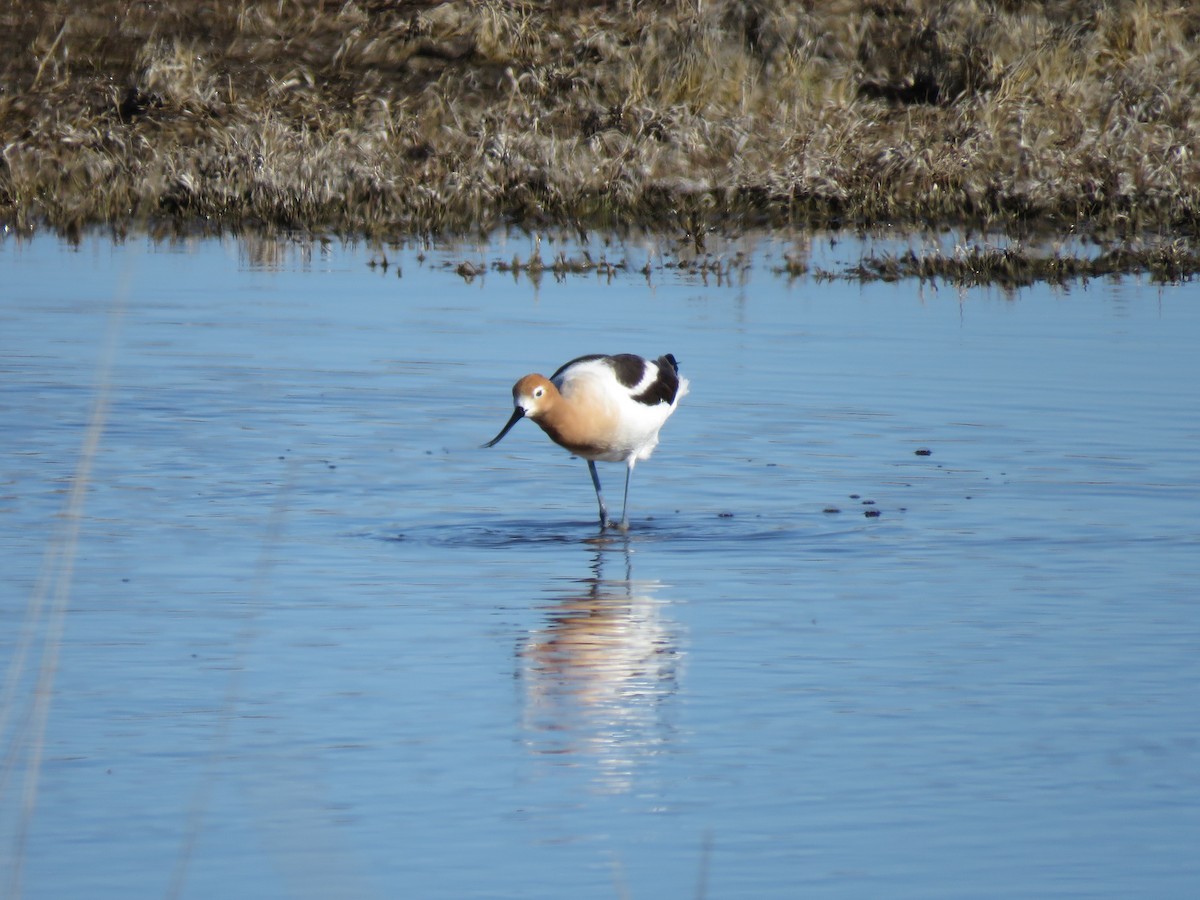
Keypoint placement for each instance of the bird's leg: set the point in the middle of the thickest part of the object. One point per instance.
(599, 496)
(625, 502)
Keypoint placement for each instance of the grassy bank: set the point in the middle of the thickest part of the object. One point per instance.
(392, 118)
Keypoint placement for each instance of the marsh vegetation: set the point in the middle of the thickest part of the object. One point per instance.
(388, 119)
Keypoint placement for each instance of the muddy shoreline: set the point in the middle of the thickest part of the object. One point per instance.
(394, 120)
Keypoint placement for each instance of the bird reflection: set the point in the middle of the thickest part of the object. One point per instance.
(598, 672)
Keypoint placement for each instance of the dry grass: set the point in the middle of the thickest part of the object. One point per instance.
(1016, 266)
(393, 118)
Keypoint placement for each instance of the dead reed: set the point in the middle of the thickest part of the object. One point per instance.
(394, 118)
(1016, 266)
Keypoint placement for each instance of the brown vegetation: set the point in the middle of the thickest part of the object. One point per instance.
(394, 118)
(1013, 267)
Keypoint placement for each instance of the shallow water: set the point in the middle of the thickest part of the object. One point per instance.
(315, 642)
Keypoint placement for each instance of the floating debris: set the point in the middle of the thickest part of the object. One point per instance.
(468, 271)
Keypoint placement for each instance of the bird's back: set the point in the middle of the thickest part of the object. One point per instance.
(630, 398)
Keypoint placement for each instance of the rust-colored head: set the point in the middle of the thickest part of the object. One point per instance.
(533, 395)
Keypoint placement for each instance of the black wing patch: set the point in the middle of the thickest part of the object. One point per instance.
(630, 369)
(664, 388)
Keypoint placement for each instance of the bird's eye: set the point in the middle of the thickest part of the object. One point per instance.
(538, 391)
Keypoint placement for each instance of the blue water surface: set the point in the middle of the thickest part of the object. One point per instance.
(301, 637)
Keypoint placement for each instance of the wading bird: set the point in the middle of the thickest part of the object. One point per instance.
(607, 408)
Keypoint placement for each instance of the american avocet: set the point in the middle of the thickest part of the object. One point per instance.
(607, 408)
